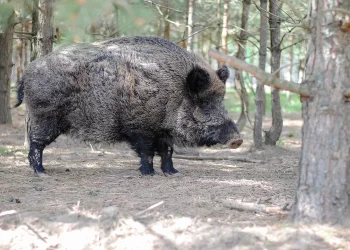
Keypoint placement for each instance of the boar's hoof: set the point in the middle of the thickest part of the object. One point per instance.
(235, 143)
(169, 170)
(167, 167)
(146, 171)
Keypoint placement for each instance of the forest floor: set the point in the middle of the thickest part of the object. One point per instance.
(96, 199)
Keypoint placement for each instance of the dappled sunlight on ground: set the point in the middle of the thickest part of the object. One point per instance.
(95, 198)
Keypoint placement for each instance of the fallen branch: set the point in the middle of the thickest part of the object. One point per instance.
(216, 158)
(265, 78)
(252, 207)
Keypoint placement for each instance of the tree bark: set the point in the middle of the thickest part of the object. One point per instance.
(42, 42)
(239, 82)
(260, 91)
(6, 42)
(323, 193)
(219, 29)
(224, 32)
(167, 23)
(42, 28)
(190, 23)
(273, 135)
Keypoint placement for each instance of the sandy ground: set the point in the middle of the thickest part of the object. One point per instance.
(96, 199)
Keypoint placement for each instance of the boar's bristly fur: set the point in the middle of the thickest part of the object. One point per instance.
(143, 90)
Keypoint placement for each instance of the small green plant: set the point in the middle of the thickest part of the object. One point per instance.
(280, 142)
(4, 152)
(94, 192)
(290, 135)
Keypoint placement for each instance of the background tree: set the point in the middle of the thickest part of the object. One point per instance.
(240, 85)
(273, 135)
(224, 32)
(190, 23)
(260, 92)
(6, 44)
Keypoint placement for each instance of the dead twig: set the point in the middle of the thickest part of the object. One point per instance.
(149, 208)
(252, 207)
(216, 158)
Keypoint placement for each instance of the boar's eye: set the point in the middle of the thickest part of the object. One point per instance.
(223, 73)
(197, 80)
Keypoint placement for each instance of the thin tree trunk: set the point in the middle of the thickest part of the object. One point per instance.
(6, 42)
(42, 42)
(323, 193)
(273, 135)
(190, 23)
(239, 82)
(219, 29)
(26, 45)
(291, 61)
(224, 32)
(166, 23)
(260, 91)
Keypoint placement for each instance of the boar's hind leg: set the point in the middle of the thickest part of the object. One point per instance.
(41, 135)
(166, 153)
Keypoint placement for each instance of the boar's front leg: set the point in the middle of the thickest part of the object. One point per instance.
(166, 152)
(145, 150)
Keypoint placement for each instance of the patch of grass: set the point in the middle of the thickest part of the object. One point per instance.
(291, 105)
(94, 192)
(4, 152)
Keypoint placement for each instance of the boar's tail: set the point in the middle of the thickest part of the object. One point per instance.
(20, 92)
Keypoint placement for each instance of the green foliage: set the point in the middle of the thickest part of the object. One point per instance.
(77, 17)
(4, 152)
(6, 10)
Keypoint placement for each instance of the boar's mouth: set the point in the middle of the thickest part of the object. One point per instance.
(231, 143)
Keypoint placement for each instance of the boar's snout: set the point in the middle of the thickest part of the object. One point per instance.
(235, 143)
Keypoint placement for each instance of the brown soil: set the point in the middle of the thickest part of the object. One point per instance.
(97, 199)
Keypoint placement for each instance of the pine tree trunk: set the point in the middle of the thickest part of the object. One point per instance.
(42, 42)
(6, 41)
(218, 31)
(260, 91)
(190, 23)
(224, 32)
(273, 135)
(166, 23)
(240, 86)
(323, 193)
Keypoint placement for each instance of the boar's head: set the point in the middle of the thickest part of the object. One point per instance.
(202, 118)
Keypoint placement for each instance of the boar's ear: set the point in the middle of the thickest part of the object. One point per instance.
(197, 80)
(223, 73)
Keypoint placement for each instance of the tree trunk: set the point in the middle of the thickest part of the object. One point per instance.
(42, 42)
(291, 61)
(260, 91)
(190, 23)
(218, 31)
(323, 193)
(273, 135)
(224, 32)
(166, 22)
(239, 82)
(6, 41)
(42, 28)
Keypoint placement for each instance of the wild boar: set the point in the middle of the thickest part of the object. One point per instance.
(146, 91)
